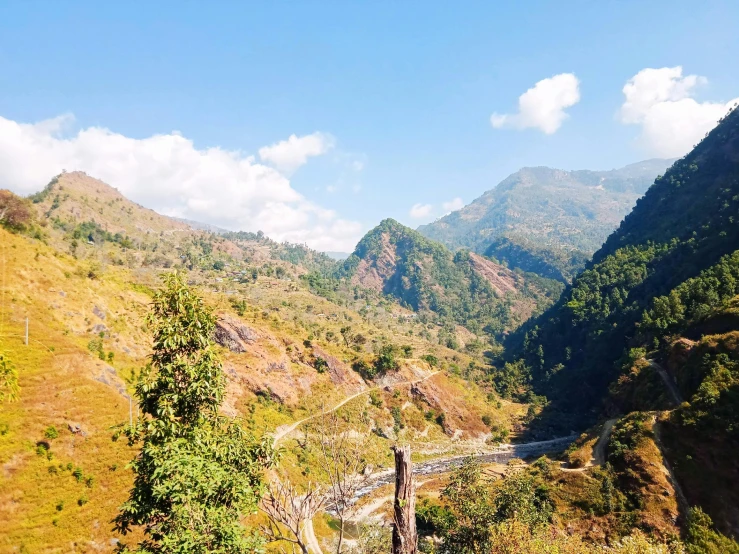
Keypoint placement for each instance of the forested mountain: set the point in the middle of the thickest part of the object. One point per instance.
(684, 224)
(545, 220)
(463, 288)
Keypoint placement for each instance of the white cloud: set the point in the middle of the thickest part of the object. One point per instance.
(660, 100)
(420, 211)
(168, 174)
(288, 155)
(453, 205)
(543, 105)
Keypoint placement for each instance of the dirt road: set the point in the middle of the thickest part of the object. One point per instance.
(281, 433)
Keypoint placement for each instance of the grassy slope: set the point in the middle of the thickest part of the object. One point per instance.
(63, 382)
(58, 386)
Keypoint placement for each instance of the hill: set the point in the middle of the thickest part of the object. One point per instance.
(660, 293)
(84, 273)
(547, 221)
(462, 289)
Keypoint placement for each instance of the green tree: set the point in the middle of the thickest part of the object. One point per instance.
(8, 379)
(197, 472)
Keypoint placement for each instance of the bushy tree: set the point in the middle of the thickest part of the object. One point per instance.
(8, 379)
(15, 212)
(198, 472)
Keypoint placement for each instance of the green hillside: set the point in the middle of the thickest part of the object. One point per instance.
(545, 220)
(454, 289)
(683, 224)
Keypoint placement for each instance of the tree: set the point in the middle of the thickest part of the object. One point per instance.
(197, 472)
(15, 212)
(340, 456)
(8, 379)
(290, 506)
(386, 359)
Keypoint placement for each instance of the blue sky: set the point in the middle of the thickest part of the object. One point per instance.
(400, 93)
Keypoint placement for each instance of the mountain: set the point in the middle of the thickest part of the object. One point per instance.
(544, 220)
(339, 256)
(651, 326)
(84, 273)
(463, 288)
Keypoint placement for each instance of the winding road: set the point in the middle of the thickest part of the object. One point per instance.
(669, 382)
(282, 432)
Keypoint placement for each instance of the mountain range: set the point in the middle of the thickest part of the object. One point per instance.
(505, 328)
(547, 221)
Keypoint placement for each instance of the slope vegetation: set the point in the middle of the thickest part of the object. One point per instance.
(463, 288)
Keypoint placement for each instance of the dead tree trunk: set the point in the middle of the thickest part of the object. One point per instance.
(405, 539)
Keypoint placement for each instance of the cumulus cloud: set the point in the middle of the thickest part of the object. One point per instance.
(288, 155)
(661, 102)
(420, 211)
(168, 174)
(453, 205)
(543, 105)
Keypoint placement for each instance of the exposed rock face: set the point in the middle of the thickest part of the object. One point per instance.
(457, 420)
(339, 372)
(108, 376)
(502, 280)
(373, 273)
(234, 335)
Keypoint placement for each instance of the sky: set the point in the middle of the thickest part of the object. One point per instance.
(313, 121)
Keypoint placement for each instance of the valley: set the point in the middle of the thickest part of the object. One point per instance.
(595, 404)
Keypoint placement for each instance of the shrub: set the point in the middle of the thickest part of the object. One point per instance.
(320, 364)
(375, 399)
(51, 432)
(386, 359)
(15, 212)
(364, 369)
(430, 359)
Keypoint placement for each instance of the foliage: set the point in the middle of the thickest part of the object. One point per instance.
(197, 471)
(547, 261)
(15, 212)
(9, 389)
(702, 539)
(43, 194)
(692, 301)
(684, 224)
(475, 506)
(51, 432)
(427, 277)
(386, 359)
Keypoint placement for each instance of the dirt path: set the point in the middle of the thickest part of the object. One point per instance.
(281, 433)
(599, 450)
(669, 382)
(682, 500)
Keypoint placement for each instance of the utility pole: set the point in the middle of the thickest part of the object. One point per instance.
(405, 537)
